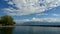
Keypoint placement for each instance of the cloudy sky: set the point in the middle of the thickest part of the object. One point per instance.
(31, 10)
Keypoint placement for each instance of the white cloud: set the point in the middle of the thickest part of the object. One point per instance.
(46, 19)
(40, 19)
(10, 3)
(27, 7)
(55, 15)
(42, 14)
(45, 14)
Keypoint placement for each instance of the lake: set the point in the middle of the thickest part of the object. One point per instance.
(29, 30)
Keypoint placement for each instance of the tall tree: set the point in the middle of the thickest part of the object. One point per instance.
(8, 20)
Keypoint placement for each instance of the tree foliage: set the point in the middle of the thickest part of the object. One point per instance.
(7, 20)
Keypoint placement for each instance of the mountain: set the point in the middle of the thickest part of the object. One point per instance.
(40, 23)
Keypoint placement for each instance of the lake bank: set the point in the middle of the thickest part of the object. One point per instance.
(7, 26)
(32, 25)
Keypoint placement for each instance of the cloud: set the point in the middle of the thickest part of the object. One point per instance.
(55, 15)
(11, 3)
(46, 19)
(40, 19)
(26, 7)
(46, 14)
(42, 14)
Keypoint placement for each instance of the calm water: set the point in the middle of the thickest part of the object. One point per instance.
(29, 30)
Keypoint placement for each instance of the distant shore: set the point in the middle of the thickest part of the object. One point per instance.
(41, 25)
(33, 25)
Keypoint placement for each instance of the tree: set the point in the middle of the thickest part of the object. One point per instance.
(7, 20)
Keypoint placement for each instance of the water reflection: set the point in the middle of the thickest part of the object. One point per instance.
(6, 30)
(36, 30)
(29, 30)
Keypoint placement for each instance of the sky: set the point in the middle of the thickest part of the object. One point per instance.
(31, 10)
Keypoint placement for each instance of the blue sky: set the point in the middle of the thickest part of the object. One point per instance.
(31, 10)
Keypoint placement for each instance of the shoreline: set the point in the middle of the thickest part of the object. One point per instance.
(33, 25)
(7, 26)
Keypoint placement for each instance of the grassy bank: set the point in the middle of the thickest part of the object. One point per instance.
(3, 25)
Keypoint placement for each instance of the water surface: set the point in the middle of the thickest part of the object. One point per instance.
(29, 30)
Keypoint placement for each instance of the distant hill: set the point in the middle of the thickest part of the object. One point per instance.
(39, 23)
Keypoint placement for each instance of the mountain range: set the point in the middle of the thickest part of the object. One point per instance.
(38, 23)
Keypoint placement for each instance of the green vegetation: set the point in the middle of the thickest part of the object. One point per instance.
(6, 20)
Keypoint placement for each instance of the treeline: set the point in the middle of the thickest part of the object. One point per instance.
(6, 20)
